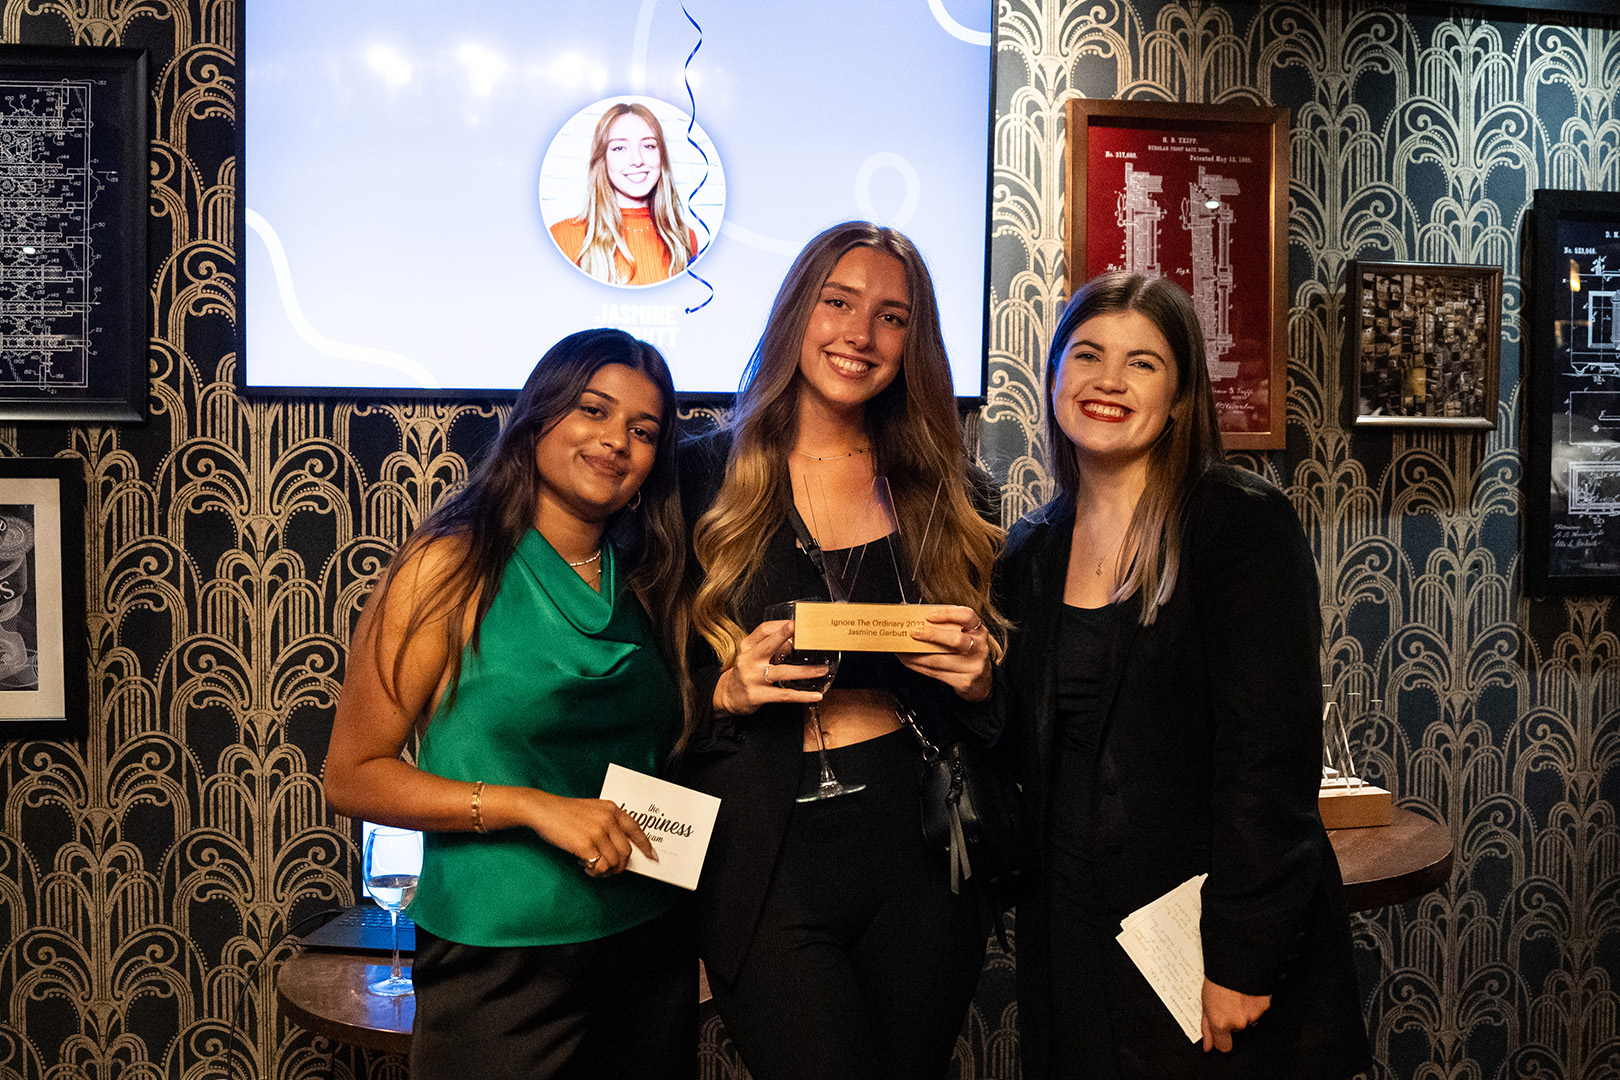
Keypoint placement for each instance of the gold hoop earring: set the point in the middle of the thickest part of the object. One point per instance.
(635, 501)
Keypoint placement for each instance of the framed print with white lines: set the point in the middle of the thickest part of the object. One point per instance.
(1572, 453)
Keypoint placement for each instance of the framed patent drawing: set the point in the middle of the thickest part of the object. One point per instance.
(43, 678)
(1423, 344)
(1572, 445)
(1198, 194)
(74, 342)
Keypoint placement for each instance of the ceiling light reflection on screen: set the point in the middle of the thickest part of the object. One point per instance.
(485, 67)
(385, 61)
(575, 71)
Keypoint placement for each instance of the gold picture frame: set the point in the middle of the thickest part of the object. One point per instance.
(1163, 189)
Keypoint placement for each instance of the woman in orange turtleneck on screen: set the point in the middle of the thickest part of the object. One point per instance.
(633, 231)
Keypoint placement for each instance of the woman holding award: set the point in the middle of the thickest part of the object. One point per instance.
(834, 943)
(1165, 692)
(515, 630)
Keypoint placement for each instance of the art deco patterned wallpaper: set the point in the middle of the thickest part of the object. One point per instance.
(147, 874)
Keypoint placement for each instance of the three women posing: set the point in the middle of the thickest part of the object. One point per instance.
(1162, 685)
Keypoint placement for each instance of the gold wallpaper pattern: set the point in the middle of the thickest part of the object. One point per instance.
(147, 874)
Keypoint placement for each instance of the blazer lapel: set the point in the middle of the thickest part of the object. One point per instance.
(1051, 571)
(1127, 625)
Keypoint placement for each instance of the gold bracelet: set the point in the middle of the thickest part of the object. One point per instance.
(478, 818)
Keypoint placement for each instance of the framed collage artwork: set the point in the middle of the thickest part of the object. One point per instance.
(1423, 344)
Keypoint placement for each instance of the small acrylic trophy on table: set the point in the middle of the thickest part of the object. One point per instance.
(1346, 801)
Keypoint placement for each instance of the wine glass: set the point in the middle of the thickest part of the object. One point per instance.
(829, 785)
(392, 864)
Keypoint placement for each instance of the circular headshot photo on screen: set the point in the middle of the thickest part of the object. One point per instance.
(628, 198)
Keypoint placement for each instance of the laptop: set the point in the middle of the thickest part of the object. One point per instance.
(363, 928)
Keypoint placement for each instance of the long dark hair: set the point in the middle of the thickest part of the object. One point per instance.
(1189, 445)
(912, 424)
(487, 517)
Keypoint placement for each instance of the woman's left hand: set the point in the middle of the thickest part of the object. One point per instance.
(1226, 1011)
(965, 666)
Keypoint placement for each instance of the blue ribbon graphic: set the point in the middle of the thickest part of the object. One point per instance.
(708, 234)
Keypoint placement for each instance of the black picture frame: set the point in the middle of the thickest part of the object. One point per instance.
(74, 338)
(1572, 444)
(1526, 9)
(47, 495)
(1423, 344)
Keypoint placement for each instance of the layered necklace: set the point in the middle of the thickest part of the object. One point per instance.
(579, 566)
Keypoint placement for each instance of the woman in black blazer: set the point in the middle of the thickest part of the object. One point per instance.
(835, 942)
(1166, 696)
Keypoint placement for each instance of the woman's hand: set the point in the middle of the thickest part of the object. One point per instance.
(965, 668)
(594, 831)
(1226, 1011)
(751, 680)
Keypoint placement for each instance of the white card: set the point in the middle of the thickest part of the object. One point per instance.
(678, 821)
(1162, 938)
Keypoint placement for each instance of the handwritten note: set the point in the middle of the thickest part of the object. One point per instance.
(1162, 939)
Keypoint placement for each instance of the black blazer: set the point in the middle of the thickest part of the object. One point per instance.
(753, 763)
(1209, 762)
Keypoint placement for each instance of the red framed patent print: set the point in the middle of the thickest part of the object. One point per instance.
(1198, 194)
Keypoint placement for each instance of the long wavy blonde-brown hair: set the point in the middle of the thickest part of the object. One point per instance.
(915, 437)
(604, 225)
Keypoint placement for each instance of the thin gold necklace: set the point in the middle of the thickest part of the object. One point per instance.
(1104, 558)
(833, 457)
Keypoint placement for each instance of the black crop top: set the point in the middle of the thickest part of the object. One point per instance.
(872, 577)
(788, 572)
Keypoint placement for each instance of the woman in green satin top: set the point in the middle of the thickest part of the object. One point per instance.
(515, 632)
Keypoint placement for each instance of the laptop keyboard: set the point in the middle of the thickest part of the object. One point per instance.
(370, 915)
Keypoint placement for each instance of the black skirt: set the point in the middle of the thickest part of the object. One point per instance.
(623, 1005)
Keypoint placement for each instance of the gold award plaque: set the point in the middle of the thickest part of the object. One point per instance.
(862, 627)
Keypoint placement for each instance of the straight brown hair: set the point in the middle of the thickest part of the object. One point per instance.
(1189, 445)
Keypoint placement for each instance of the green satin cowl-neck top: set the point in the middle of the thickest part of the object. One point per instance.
(564, 681)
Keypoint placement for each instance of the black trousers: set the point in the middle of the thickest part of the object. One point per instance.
(621, 1006)
(863, 963)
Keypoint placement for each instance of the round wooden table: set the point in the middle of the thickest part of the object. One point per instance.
(326, 993)
(1393, 863)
